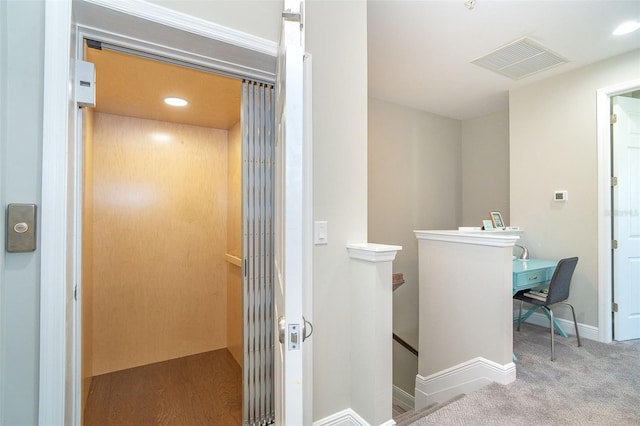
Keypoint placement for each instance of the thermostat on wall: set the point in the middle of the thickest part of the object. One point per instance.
(560, 196)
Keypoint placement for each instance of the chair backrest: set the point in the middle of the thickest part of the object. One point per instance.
(561, 280)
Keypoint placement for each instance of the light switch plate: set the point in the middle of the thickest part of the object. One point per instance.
(21, 228)
(320, 233)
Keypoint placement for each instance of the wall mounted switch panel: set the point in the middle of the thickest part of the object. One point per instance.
(21, 228)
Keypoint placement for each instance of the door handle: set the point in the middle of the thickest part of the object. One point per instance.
(281, 329)
(306, 323)
(294, 343)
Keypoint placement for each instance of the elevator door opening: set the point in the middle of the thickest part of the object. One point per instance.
(162, 219)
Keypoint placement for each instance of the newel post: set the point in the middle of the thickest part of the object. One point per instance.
(372, 331)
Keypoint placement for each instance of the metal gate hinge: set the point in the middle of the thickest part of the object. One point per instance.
(614, 244)
(614, 180)
(288, 15)
(614, 307)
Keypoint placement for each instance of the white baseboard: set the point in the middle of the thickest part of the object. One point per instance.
(403, 399)
(586, 331)
(347, 417)
(461, 379)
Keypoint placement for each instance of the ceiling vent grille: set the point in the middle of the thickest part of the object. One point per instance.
(520, 59)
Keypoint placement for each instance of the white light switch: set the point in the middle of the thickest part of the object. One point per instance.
(320, 232)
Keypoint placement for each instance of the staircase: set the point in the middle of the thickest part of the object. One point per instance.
(397, 281)
(411, 416)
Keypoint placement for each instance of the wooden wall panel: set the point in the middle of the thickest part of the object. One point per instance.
(160, 207)
(234, 243)
(87, 256)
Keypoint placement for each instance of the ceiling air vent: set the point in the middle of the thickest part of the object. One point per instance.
(520, 59)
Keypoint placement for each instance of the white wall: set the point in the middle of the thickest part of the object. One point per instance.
(337, 38)
(553, 138)
(257, 17)
(21, 91)
(414, 183)
(485, 168)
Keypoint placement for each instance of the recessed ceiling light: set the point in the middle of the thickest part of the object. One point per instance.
(175, 102)
(626, 28)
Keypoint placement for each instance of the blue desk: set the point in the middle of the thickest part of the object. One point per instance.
(534, 273)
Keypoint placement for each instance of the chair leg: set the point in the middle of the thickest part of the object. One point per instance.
(575, 323)
(520, 315)
(553, 345)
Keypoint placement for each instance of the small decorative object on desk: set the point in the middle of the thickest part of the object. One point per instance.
(496, 219)
(487, 224)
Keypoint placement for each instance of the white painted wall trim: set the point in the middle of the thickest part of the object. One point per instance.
(468, 238)
(53, 237)
(403, 399)
(138, 25)
(346, 417)
(605, 294)
(371, 252)
(182, 21)
(586, 331)
(461, 379)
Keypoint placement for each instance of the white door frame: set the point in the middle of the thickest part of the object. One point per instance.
(605, 293)
(191, 39)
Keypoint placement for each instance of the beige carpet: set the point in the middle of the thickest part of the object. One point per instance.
(596, 384)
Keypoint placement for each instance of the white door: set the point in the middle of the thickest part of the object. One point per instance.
(290, 222)
(626, 217)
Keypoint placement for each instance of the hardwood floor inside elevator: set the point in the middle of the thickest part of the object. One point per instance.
(202, 389)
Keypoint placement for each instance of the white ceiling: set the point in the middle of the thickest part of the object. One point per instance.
(420, 51)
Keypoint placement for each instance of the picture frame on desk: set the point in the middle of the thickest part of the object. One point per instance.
(487, 224)
(496, 220)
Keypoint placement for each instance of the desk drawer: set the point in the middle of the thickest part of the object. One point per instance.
(528, 279)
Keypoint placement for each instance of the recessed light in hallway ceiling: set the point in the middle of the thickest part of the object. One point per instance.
(626, 28)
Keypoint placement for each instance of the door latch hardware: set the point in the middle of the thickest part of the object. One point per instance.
(294, 337)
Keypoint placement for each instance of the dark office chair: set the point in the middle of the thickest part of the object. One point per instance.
(558, 294)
